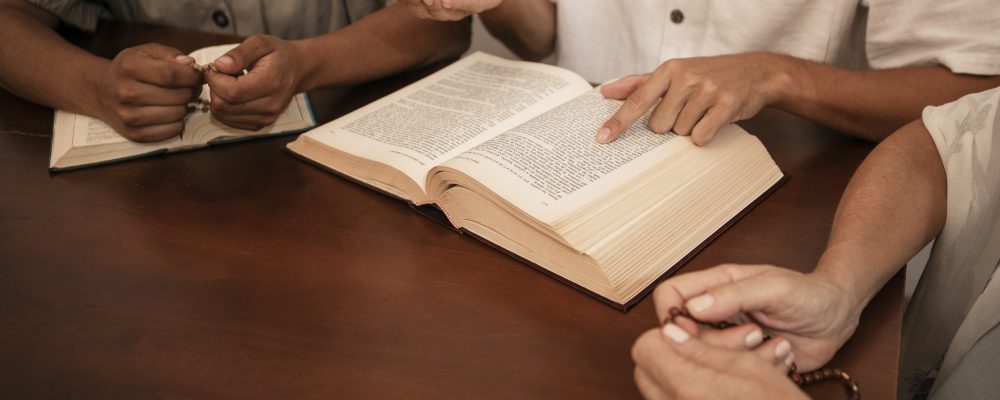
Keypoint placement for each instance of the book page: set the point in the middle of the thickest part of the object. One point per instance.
(93, 132)
(551, 165)
(450, 111)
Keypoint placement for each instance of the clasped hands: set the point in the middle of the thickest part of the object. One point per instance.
(808, 317)
(144, 91)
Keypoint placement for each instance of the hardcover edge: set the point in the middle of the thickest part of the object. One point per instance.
(711, 238)
(434, 213)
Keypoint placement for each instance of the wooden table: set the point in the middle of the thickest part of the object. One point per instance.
(240, 271)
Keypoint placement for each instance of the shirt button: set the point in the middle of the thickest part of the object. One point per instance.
(677, 16)
(220, 19)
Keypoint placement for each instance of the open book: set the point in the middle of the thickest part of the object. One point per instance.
(506, 150)
(79, 140)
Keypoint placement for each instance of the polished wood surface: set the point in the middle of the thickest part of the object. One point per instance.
(240, 271)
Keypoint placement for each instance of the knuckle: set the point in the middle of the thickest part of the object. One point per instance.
(681, 67)
(616, 124)
(140, 136)
(256, 40)
(708, 86)
(168, 75)
(275, 108)
(670, 66)
(636, 351)
(268, 120)
(126, 94)
(128, 116)
(657, 124)
(727, 100)
(691, 79)
(731, 270)
(223, 93)
(636, 101)
(127, 65)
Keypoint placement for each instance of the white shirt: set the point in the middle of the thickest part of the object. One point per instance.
(957, 301)
(605, 39)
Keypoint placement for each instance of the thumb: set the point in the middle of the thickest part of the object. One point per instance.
(243, 56)
(757, 293)
(696, 351)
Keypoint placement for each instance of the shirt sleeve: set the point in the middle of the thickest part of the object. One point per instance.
(78, 13)
(967, 135)
(960, 35)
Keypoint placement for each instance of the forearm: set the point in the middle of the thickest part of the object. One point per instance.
(384, 43)
(40, 66)
(893, 206)
(870, 104)
(527, 27)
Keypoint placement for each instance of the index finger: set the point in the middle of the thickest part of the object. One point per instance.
(167, 74)
(256, 84)
(636, 104)
(676, 291)
(165, 67)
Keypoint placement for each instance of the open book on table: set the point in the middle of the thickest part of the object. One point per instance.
(506, 150)
(79, 141)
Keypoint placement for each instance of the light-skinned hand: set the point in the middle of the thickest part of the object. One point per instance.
(670, 363)
(144, 91)
(696, 96)
(815, 315)
(449, 10)
(256, 99)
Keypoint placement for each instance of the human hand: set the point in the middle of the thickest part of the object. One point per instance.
(449, 10)
(696, 96)
(254, 100)
(672, 364)
(144, 91)
(814, 314)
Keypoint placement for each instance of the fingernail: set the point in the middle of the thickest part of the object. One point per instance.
(604, 135)
(782, 350)
(790, 359)
(700, 303)
(753, 338)
(429, 2)
(675, 333)
(225, 60)
(184, 59)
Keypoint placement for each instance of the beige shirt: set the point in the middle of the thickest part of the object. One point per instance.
(950, 336)
(289, 19)
(605, 39)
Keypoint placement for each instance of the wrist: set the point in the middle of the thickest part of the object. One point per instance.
(88, 98)
(789, 82)
(843, 275)
(307, 67)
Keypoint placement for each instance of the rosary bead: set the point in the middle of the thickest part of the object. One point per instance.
(851, 388)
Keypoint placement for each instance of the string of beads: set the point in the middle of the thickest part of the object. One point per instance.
(200, 104)
(800, 378)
